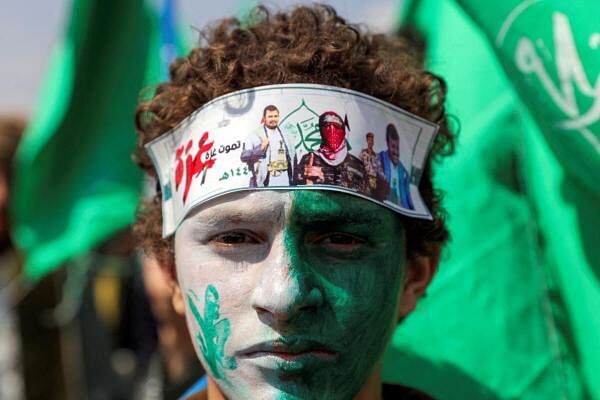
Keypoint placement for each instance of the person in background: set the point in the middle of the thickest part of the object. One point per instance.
(11, 379)
(177, 367)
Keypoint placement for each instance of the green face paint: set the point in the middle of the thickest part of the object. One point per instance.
(213, 332)
(353, 251)
(311, 315)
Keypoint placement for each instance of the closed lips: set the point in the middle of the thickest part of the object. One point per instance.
(289, 350)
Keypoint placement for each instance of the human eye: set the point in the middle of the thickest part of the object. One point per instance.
(234, 239)
(340, 242)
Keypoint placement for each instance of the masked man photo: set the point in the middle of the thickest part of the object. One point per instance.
(332, 164)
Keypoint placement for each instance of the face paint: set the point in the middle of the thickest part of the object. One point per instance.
(213, 332)
(316, 307)
(358, 269)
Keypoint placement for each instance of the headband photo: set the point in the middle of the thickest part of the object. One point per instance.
(293, 136)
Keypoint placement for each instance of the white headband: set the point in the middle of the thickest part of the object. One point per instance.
(270, 137)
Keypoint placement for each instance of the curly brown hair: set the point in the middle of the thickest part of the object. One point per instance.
(305, 45)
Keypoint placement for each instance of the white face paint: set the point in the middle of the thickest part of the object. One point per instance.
(290, 294)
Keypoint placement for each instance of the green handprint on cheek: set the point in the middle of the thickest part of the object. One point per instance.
(213, 332)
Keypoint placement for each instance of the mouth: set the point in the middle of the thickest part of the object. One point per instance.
(289, 354)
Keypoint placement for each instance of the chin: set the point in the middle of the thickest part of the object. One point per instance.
(268, 385)
(281, 390)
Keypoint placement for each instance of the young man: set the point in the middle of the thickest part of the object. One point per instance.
(289, 294)
(11, 379)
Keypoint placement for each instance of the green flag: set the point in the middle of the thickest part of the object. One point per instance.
(551, 52)
(502, 320)
(75, 183)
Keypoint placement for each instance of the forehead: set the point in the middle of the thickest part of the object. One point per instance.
(279, 207)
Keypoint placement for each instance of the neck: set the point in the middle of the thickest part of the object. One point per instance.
(371, 390)
(213, 391)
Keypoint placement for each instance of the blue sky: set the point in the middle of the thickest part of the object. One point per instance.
(30, 28)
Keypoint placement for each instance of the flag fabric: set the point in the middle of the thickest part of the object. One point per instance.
(512, 312)
(75, 182)
(550, 50)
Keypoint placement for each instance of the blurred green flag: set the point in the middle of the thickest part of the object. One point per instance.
(512, 313)
(551, 52)
(75, 182)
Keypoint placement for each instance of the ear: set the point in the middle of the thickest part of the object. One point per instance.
(178, 303)
(177, 298)
(419, 273)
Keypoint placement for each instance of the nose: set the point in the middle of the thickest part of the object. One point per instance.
(285, 290)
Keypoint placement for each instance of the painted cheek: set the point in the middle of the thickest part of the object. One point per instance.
(211, 331)
(364, 289)
(358, 312)
(359, 287)
(366, 304)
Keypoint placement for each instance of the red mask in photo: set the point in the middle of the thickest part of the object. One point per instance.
(333, 134)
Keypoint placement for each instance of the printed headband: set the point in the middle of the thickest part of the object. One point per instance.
(331, 117)
(271, 137)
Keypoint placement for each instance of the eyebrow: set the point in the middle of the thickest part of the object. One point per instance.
(229, 216)
(349, 212)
